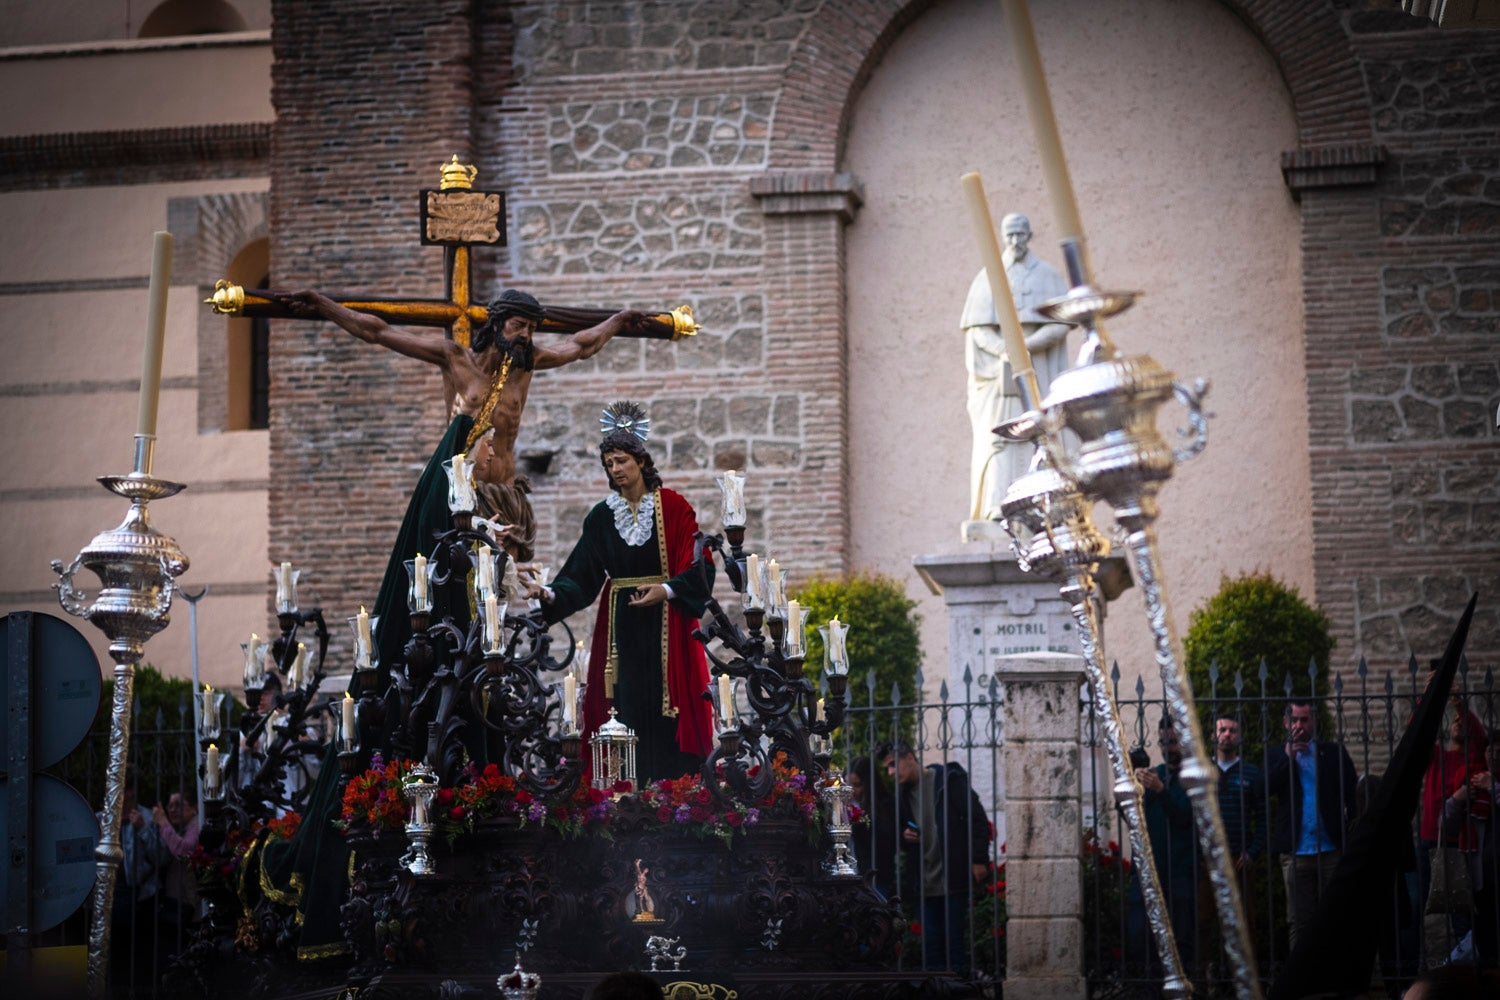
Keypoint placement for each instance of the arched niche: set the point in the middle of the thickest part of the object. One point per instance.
(192, 17)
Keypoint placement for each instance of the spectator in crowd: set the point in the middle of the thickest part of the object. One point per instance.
(945, 840)
(875, 830)
(1313, 783)
(134, 935)
(177, 825)
(1169, 825)
(1462, 753)
(1471, 810)
(1242, 804)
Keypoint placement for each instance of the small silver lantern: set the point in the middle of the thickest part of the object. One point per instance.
(420, 786)
(837, 793)
(613, 746)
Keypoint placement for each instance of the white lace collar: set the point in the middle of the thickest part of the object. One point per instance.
(635, 527)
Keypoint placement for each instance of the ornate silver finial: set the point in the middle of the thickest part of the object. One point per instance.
(625, 416)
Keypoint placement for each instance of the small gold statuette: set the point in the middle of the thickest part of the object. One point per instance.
(645, 907)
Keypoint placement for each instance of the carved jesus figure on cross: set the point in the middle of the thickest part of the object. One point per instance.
(488, 380)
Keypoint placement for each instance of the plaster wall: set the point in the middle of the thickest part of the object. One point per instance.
(72, 321)
(1173, 117)
(203, 82)
(57, 22)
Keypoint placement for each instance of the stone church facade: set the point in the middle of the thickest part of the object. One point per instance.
(655, 153)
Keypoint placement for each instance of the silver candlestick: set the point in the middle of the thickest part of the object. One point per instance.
(420, 786)
(1110, 404)
(136, 566)
(1053, 534)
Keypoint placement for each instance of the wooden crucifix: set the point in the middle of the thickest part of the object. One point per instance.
(455, 217)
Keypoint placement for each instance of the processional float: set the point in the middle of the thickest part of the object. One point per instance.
(471, 679)
(1096, 437)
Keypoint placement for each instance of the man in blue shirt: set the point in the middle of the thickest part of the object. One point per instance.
(1313, 785)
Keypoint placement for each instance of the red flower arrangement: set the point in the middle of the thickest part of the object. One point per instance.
(373, 800)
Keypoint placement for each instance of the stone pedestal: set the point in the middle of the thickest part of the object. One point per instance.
(994, 609)
(1044, 870)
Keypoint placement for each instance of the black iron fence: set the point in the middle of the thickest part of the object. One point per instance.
(1358, 720)
(156, 905)
(945, 862)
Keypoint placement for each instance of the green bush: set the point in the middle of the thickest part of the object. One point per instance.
(883, 638)
(1252, 618)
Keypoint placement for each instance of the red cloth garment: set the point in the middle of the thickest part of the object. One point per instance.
(687, 666)
(1447, 770)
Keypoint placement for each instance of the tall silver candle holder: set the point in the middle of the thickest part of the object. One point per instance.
(1053, 534)
(420, 786)
(137, 567)
(1108, 403)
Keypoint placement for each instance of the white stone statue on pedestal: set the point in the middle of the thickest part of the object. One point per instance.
(994, 396)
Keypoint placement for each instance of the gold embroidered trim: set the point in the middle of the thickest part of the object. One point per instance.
(661, 552)
(314, 952)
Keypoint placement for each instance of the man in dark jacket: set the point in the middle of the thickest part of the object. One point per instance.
(945, 844)
(1313, 783)
(1174, 850)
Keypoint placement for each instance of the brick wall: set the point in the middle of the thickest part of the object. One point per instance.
(659, 153)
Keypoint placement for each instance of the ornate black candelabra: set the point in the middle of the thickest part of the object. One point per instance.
(768, 658)
(459, 691)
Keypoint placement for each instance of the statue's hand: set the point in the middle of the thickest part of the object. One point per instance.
(1046, 336)
(632, 321)
(302, 305)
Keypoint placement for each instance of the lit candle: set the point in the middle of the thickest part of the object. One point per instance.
(486, 571)
(726, 699)
(299, 666)
(348, 707)
(836, 632)
(570, 697)
(491, 622)
(1016, 351)
(818, 712)
(284, 584)
(418, 810)
(752, 581)
(1043, 121)
(793, 627)
(208, 704)
(156, 334)
(419, 578)
(362, 624)
(211, 766)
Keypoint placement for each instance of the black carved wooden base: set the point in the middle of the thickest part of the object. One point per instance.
(760, 918)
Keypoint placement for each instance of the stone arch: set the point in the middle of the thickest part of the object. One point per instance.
(192, 17)
(846, 41)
